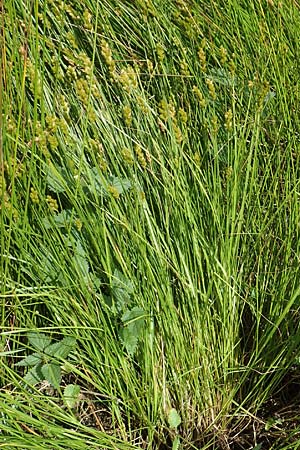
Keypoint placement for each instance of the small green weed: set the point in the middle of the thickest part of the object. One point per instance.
(47, 360)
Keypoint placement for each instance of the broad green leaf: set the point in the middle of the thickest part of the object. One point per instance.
(34, 375)
(81, 261)
(60, 220)
(71, 395)
(133, 321)
(257, 447)
(121, 290)
(120, 184)
(130, 340)
(174, 418)
(98, 183)
(62, 348)
(222, 76)
(52, 373)
(135, 314)
(31, 360)
(49, 272)
(56, 179)
(39, 340)
(95, 281)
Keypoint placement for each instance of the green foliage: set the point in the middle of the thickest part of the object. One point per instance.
(132, 328)
(47, 360)
(174, 418)
(132, 320)
(71, 395)
(149, 204)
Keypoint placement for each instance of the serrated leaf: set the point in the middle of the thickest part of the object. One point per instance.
(62, 348)
(34, 375)
(71, 395)
(120, 184)
(174, 418)
(176, 443)
(80, 260)
(59, 220)
(56, 177)
(129, 340)
(52, 373)
(222, 76)
(133, 321)
(39, 340)
(135, 314)
(49, 272)
(30, 360)
(95, 281)
(122, 289)
(98, 182)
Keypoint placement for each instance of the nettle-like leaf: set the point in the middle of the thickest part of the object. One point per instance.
(80, 260)
(46, 359)
(39, 340)
(133, 324)
(96, 181)
(56, 179)
(61, 349)
(222, 76)
(120, 184)
(30, 360)
(60, 220)
(121, 289)
(34, 375)
(49, 269)
(71, 395)
(51, 373)
(100, 184)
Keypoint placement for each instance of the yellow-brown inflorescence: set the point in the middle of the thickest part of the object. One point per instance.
(200, 96)
(97, 148)
(128, 156)
(184, 67)
(87, 20)
(127, 115)
(34, 195)
(113, 191)
(140, 156)
(150, 66)
(177, 133)
(228, 119)
(202, 59)
(166, 110)
(211, 88)
(52, 203)
(197, 158)
(160, 52)
(32, 74)
(78, 224)
(182, 116)
(107, 55)
(214, 124)
(232, 65)
(141, 102)
(128, 79)
(63, 104)
(223, 55)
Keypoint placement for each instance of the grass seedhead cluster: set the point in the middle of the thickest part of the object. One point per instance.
(149, 213)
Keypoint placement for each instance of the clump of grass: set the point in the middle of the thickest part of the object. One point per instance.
(149, 186)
